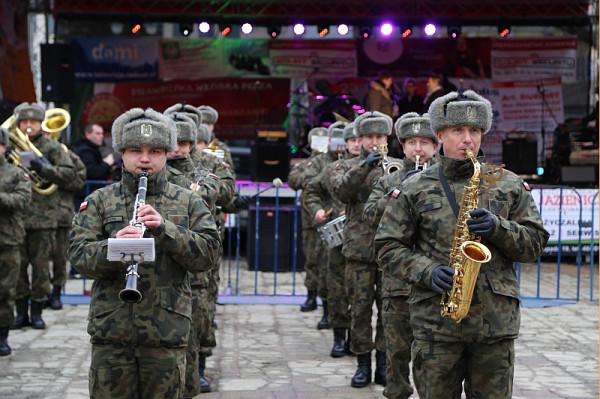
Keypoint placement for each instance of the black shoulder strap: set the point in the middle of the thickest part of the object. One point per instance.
(449, 193)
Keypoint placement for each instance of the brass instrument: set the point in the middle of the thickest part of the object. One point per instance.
(56, 120)
(418, 165)
(467, 253)
(131, 294)
(217, 153)
(388, 166)
(20, 143)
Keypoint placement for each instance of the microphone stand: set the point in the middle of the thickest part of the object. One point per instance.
(544, 104)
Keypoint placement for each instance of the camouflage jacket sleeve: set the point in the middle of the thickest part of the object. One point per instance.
(61, 171)
(394, 242)
(207, 184)
(88, 247)
(375, 205)
(19, 196)
(296, 176)
(520, 236)
(346, 184)
(78, 181)
(199, 244)
(314, 193)
(226, 184)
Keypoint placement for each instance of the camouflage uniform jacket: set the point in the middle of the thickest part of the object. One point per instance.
(352, 183)
(415, 234)
(183, 173)
(187, 241)
(15, 197)
(385, 188)
(66, 192)
(226, 151)
(318, 193)
(223, 172)
(301, 175)
(43, 213)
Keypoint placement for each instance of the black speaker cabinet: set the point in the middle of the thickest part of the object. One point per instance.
(57, 73)
(266, 244)
(520, 156)
(270, 159)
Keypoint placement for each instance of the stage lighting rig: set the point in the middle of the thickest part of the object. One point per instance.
(343, 29)
(225, 29)
(454, 31)
(504, 30)
(365, 32)
(185, 29)
(274, 31)
(406, 31)
(323, 30)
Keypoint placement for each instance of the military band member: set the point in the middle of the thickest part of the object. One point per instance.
(15, 197)
(418, 141)
(139, 350)
(353, 183)
(210, 116)
(312, 247)
(414, 239)
(41, 220)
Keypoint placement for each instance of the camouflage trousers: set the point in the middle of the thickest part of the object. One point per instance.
(366, 286)
(119, 372)
(314, 262)
(9, 274)
(439, 369)
(398, 341)
(59, 256)
(337, 298)
(199, 326)
(35, 251)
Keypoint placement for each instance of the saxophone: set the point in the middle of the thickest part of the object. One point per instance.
(467, 253)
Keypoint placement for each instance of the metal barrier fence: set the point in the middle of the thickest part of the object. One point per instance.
(269, 269)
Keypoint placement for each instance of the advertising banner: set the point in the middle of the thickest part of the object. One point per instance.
(244, 105)
(562, 217)
(532, 59)
(113, 59)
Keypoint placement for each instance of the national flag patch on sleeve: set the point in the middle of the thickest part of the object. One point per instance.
(83, 206)
(395, 193)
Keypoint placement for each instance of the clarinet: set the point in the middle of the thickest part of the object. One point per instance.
(131, 294)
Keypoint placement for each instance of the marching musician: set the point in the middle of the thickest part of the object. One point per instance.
(15, 197)
(139, 350)
(414, 240)
(352, 184)
(419, 145)
(41, 220)
(210, 116)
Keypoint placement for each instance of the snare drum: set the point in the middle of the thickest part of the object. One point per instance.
(332, 233)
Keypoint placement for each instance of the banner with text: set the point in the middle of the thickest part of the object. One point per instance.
(244, 105)
(533, 59)
(113, 59)
(562, 218)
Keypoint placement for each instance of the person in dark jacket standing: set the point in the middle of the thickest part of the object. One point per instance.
(380, 96)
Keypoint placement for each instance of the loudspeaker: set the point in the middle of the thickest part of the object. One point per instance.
(285, 245)
(520, 156)
(57, 73)
(271, 159)
(578, 174)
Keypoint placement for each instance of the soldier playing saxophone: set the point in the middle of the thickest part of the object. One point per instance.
(415, 236)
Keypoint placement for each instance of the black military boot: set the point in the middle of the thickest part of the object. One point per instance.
(4, 348)
(36, 315)
(311, 302)
(380, 368)
(324, 322)
(362, 376)
(339, 342)
(22, 319)
(54, 298)
(204, 383)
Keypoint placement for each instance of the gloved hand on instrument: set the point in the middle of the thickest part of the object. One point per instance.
(373, 159)
(39, 164)
(242, 201)
(482, 222)
(441, 278)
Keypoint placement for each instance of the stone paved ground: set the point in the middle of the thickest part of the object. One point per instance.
(274, 351)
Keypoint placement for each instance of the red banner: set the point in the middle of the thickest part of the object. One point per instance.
(244, 105)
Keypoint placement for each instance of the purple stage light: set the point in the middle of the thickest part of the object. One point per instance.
(246, 28)
(430, 29)
(386, 29)
(356, 107)
(320, 97)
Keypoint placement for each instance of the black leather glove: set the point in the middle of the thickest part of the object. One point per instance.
(38, 164)
(482, 222)
(373, 159)
(441, 278)
(242, 202)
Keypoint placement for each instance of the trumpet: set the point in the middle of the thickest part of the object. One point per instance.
(21, 143)
(388, 166)
(131, 294)
(420, 166)
(219, 154)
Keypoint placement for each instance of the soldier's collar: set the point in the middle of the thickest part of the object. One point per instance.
(156, 182)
